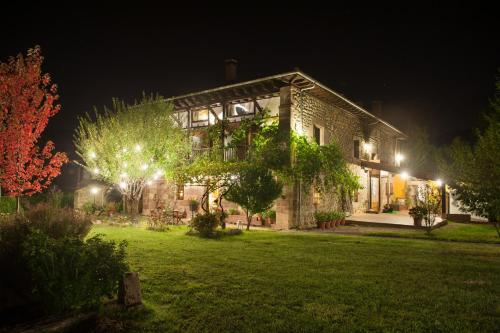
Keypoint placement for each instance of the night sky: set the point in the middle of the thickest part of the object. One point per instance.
(430, 66)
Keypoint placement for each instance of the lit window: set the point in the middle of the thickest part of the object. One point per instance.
(241, 109)
(180, 192)
(200, 115)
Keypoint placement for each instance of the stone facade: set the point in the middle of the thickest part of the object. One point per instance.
(301, 110)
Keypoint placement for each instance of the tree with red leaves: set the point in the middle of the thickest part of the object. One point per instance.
(27, 101)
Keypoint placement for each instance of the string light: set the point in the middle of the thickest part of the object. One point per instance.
(92, 155)
(95, 171)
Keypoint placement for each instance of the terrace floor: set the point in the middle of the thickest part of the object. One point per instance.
(396, 219)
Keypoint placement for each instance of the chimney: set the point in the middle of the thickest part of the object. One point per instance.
(377, 108)
(230, 70)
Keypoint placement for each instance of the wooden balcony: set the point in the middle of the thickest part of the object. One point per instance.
(229, 153)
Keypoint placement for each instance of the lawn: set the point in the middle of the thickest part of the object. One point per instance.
(265, 281)
(454, 232)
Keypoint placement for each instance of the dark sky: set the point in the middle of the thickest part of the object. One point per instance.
(432, 66)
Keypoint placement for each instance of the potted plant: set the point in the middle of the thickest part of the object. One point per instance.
(270, 216)
(328, 221)
(418, 213)
(338, 218)
(193, 206)
(319, 217)
(331, 218)
(342, 218)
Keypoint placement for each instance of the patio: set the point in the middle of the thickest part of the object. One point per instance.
(395, 220)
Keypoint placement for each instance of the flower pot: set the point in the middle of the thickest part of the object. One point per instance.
(328, 225)
(322, 225)
(342, 222)
(336, 222)
(417, 221)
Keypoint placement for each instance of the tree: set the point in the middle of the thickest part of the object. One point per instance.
(254, 190)
(473, 171)
(27, 102)
(131, 146)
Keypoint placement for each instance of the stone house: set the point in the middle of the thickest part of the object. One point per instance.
(299, 103)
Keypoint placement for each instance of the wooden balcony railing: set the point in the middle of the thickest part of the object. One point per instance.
(229, 153)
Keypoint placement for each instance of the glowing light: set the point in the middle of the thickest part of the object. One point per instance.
(92, 155)
(138, 148)
(439, 182)
(123, 175)
(123, 185)
(144, 167)
(149, 182)
(399, 158)
(404, 175)
(95, 171)
(125, 164)
(94, 190)
(367, 147)
(124, 150)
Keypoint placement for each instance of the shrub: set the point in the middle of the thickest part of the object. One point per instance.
(51, 268)
(70, 274)
(270, 213)
(8, 205)
(417, 212)
(57, 223)
(205, 224)
(91, 208)
(233, 211)
(194, 205)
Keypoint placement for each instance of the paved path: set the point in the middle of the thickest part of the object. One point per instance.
(401, 219)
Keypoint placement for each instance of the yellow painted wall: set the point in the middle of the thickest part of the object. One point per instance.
(399, 185)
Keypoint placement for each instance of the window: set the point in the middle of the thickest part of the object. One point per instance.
(200, 115)
(180, 192)
(317, 135)
(356, 149)
(242, 109)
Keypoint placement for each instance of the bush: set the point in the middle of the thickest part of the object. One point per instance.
(48, 265)
(70, 274)
(57, 223)
(205, 224)
(233, 211)
(91, 208)
(270, 213)
(8, 205)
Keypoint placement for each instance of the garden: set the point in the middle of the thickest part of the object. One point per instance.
(196, 272)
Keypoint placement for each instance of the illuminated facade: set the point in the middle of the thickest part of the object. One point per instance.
(301, 104)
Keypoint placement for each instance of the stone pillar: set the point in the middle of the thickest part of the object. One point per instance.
(284, 204)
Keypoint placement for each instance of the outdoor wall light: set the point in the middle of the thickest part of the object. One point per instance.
(367, 147)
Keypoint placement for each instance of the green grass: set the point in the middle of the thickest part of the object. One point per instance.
(265, 281)
(457, 232)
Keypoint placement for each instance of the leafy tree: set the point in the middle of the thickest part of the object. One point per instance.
(133, 145)
(254, 190)
(27, 102)
(473, 171)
